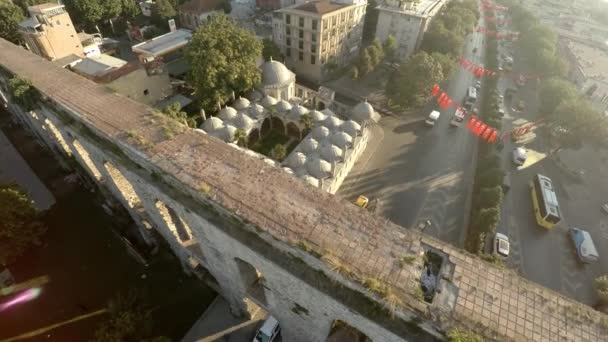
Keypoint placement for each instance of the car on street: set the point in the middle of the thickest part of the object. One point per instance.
(432, 118)
(605, 207)
(478, 85)
(269, 331)
(519, 156)
(501, 245)
(584, 246)
(362, 201)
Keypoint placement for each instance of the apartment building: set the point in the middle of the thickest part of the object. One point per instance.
(407, 21)
(194, 13)
(316, 34)
(589, 72)
(49, 32)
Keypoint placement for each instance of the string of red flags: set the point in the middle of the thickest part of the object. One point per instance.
(513, 35)
(491, 19)
(481, 129)
(477, 70)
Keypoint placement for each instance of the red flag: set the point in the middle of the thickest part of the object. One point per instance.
(478, 129)
(493, 136)
(445, 104)
(487, 132)
(441, 97)
(472, 121)
(435, 90)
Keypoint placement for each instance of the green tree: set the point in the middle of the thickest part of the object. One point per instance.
(270, 49)
(86, 12)
(487, 219)
(447, 63)
(226, 6)
(390, 47)
(490, 178)
(370, 22)
(354, 73)
(489, 162)
(575, 122)
(554, 91)
(306, 121)
(224, 59)
(490, 197)
(10, 17)
(410, 85)
(174, 111)
(130, 9)
(374, 55)
(23, 93)
(378, 49)
(601, 286)
(20, 225)
(165, 10)
(241, 137)
(458, 335)
(278, 152)
(365, 64)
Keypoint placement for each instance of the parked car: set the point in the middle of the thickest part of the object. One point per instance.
(605, 207)
(269, 331)
(501, 245)
(519, 156)
(584, 246)
(478, 85)
(362, 201)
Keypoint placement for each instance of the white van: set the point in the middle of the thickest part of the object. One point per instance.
(432, 118)
(519, 156)
(269, 331)
(585, 248)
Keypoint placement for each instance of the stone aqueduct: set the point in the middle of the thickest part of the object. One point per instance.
(259, 235)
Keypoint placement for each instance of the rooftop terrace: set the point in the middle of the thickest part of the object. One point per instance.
(164, 44)
(494, 302)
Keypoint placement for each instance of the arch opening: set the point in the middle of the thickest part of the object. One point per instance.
(252, 281)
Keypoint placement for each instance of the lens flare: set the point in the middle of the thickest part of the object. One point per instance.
(23, 297)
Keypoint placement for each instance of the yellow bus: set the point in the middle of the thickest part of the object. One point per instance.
(544, 200)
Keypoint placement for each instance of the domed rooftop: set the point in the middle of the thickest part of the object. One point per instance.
(256, 111)
(228, 133)
(296, 160)
(243, 121)
(240, 103)
(297, 112)
(288, 170)
(364, 112)
(328, 112)
(275, 74)
(318, 168)
(342, 139)
(283, 106)
(268, 101)
(212, 124)
(351, 127)
(331, 153)
(309, 145)
(311, 180)
(227, 113)
(320, 132)
(317, 116)
(332, 122)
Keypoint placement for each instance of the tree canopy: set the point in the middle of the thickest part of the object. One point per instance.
(390, 47)
(224, 59)
(447, 31)
(19, 223)
(270, 49)
(164, 9)
(554, 91)
(174, 111)
(410, 85)
(575, 122)
(10, 17)
(23, 93)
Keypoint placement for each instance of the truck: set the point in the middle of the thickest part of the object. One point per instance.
(458, 117)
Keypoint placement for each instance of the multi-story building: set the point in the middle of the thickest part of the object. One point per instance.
(273, 4)
(49, 32)
(316, 34)
(589, 72)
(407, 21)
(194, 13)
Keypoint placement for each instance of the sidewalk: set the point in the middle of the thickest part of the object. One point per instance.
(218, 324)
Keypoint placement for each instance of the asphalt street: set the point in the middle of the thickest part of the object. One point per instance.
(545, 256)
(420, 172)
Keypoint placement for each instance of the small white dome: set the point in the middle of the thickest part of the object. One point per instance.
(283, 106)
(212, 124)
(320, 132)
(288, 170)
(309, 145)
(270, 162)
(331, 153)
(299, 111)
(243, 121)
(311, 180)
(227, 113)
(256, 111)
(296, 160)
(328, 112)
(332, 122)
(317, 116)
(275, 74)
(318, 168)
(268, 101)
(342, 140)
(240, 103)
(351, 127)
(363, 112)
(228, 133)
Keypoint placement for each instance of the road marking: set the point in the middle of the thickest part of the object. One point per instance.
(48, 328)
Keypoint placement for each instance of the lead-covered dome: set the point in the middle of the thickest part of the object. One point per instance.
(268, 101)
(275, 74)
(240, 103)
(212, 124)
(227, 113)
(318, 168)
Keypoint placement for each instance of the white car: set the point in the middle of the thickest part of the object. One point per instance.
(605, 207)
(501, 245)
(519, 156)
(269, 331)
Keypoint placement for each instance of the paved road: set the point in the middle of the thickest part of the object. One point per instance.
(421, 173)
(547, 257)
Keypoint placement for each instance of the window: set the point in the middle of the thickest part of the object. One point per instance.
(333, 21)
(301, 34)
(301, 22)
(314, 24)
(301, 56)
(301, 45)
(288, 42)
(287, 19)
(288, 52)
(146, 92)
(324, 23)
(312, 59)
(313, 48)
(288, 30)
(313, 37)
